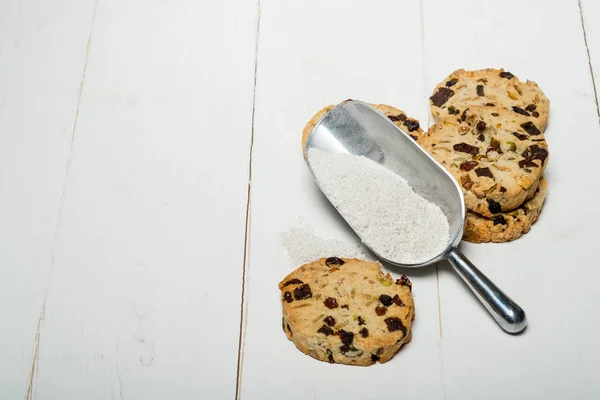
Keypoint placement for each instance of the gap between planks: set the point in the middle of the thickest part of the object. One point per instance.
(587, 49)
(36, 350)
(246, 262)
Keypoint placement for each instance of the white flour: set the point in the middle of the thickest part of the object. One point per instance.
(303, 246)
(381, 207)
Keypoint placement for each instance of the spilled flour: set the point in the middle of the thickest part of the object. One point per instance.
(381, 207)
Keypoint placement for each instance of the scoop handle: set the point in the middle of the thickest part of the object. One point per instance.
(506, 312)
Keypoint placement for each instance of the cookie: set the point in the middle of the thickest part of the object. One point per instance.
(496, 155)
(505, 227)
(409, 125)
(346, 311)
(489, 87)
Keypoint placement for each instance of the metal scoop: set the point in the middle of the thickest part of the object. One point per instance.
(356, 128)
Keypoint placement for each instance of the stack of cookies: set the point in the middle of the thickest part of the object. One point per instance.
(490, 136)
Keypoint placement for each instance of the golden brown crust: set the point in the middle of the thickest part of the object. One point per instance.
(496, 87)
(497, 157)
(346, 311)
(505, 227)
(409, 125)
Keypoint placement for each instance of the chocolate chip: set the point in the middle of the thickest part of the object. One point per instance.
(441, 96)
(330, 356)
(331, 303)
(484, 172)
(535, 114)
(506, 75)
(287, 296)
(468, 165)
(502, 189)
(345, 306)
(302, 292)
(520, 136)
(466, 148)
(530, 128)
(385, 300)
(398, 301)
(414, 137)
(527, 164)
(351, 351)
(464, 115)
(361, 321)
(379, 310)
(480, 90)
(364, 332)
(346, 337)
(395, 324)
(499, 220)
(493, 206)
(538, 153)
(329, 320)
(404, 281)
(451, 82)
(393, 118)
(531, 107)
(453, 111)
(519, 110)
(490, 105)
(411, 125)
(374, 358)
(481, 126)
(401, 117)
(497, 149)
(325, 330)
(292, 282)
(481, 138)
(495, 114)
(334, 261)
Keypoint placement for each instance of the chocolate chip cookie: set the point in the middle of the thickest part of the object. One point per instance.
(408, 125)
(496, 155)
(346, 311)
(506, 226)
(491, 88)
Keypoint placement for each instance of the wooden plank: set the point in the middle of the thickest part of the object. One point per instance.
(552, 271)
(42, 53)
(312, 54)
(590, 18)
(144, 300)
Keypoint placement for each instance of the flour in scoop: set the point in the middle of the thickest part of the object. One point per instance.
(381, 207)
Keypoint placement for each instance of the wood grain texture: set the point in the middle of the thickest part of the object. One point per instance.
(552, 271)
(42, 53)
(312, 54)
(144, 300)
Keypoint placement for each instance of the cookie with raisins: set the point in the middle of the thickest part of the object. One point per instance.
(346, 311)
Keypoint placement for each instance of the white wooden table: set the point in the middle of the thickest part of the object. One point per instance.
(150, 157)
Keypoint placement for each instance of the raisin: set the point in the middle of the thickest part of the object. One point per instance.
(380, 310)
(302, 292)
(490, 105)
(451, 82)
(334, 261)
(463, 116)
(329, 320)
(329, 356)
(325, 330)
(398, 301)
(519, 110)
(453, 111)
(538, 153)
(481, 138)
(361, 321)
(404, 281)
(287, 296)
(502, 189)
(364, 332)
(493, 206)
(374, 358)
(346, 337)
(441, 96)
(530, 128)
(468, 165)
(481, 125)
(535, 114)
(393, 118)
(385, 300)
(345, 306)
(411, 125)
(395, 324)
(527, 164)
(480, 90)
(466, 148)
(499, 220)
(520, 136)
(506, 75)
(484, 172)
(531, 107)
(495, 114)
(292, 282)
(331, 303)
